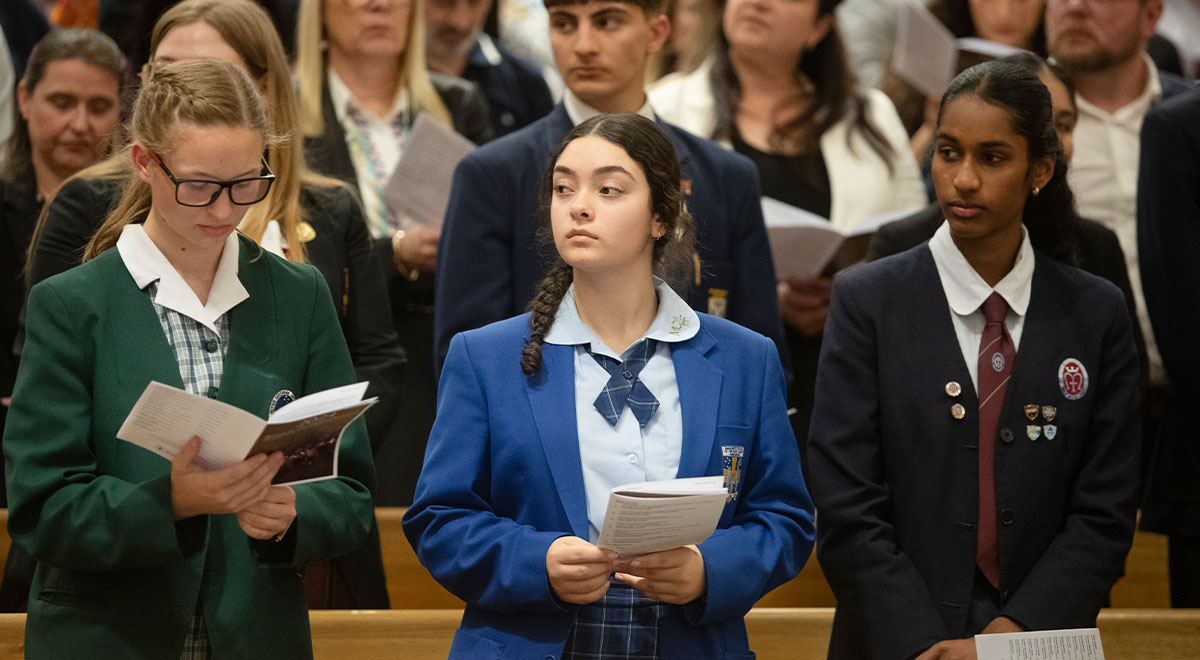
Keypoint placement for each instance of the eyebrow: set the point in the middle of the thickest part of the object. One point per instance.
(990, 144)
(607, 169)
(205, 176)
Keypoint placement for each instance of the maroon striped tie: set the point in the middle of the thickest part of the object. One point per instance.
(996, 355)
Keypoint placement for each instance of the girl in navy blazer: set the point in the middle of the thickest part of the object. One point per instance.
(976, 475)
(532, 431)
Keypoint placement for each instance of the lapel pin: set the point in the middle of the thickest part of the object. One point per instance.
(953, 388)
(1031, 411)
(1033, 431)
(1049, 412)
(957, 411)
(731, 459)
(1051, 430)
(281, 399)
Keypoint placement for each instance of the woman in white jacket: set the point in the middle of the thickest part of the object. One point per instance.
(778, 89)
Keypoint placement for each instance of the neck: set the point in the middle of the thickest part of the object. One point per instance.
(618, 308)
(197, 267)
(629, 100)
(450, 65)
(373, 81)
(991, 256)
(762, 76)
(47, 179)
(1115, 87)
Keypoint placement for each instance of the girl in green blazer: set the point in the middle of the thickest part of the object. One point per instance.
(137, 557)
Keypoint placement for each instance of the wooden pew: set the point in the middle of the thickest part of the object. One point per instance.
(775, 633)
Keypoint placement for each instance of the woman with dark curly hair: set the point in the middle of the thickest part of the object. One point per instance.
(532, 433)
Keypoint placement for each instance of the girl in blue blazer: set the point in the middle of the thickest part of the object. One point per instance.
(609, 379)
(974, 448)
(139, 557)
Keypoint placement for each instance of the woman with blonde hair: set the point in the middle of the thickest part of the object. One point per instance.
(305, 216)
(360, 69)
(139, 557)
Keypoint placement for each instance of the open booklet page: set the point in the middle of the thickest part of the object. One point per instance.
(660, 515)
(165, 418)
(420, 185)
(805, 245)
(1073, 644)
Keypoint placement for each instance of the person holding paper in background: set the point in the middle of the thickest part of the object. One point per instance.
(533, 432)
(361, 78)
(778, 90)
(975, 441)
(136, 556)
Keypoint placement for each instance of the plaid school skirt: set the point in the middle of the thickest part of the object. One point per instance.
(622, 625)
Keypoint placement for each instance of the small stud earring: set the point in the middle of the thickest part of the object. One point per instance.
(1036, 190)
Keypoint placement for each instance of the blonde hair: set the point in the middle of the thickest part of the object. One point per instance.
(202, 92)
(311, 64)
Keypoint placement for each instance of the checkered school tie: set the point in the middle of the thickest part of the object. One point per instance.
(996, 355)
(623, 386)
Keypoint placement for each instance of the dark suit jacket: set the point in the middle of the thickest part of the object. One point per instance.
(516, 92)
(1168, 245)
(503, 480)
(1097, 248)
(116, 572)
(411, 301)
(895, 476)
(20, 205)
(489, 259)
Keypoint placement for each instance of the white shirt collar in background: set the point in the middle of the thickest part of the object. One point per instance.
(580, 112)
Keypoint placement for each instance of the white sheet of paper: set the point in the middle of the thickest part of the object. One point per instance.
(992, 49)
(1073, 644)
(925, 53)
(165, 418)
(333, 399)
(655, 516)
(802, 243)
(420, 185)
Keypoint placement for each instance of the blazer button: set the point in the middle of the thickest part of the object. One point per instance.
(211, 345)
(211, 393)
(1007, 517)
(1006, 435)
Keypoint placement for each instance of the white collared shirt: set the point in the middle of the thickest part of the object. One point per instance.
(628, 452)
(580, 112)
(1103, 175)
(146, 263)
(379, 138)
(966, 291)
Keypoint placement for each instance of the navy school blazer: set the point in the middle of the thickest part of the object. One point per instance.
(489, 261)
(895, 474)
(503, 479)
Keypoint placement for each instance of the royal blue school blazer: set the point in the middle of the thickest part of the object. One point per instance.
(503, 479)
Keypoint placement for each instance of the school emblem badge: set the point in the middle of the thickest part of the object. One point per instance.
(1031, 411)
(1051, 430)
(998, 361)
(1072, 379)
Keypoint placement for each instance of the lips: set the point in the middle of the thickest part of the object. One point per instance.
(215, 230)
(963, 209)
(577, 233)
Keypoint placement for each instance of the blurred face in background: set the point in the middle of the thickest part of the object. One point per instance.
(1010, 22)
(451, 26)
(370, 29)
(1062, 106)
(1095, 35)
(782, 29)
(72, 113)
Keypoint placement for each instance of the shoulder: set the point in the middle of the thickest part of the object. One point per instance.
(526, 70)
(284, 277)
(86, 190)
(686, 99)
(529, 145)
(1180, 109)
(508, 331)
(90, 281)
(1087, 291)
(882, 277)
(699, 150)
(336, 199)
(730, 335)
(1172, 85)
(455, 92)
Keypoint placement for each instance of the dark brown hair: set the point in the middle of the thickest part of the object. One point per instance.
(650, 7)
(672, 254)
(826, 71)
(88, 46)
(956, 16)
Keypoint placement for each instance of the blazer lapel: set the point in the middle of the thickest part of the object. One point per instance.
(137, 334)
(699, 398)
(252, 337)
(552, 401)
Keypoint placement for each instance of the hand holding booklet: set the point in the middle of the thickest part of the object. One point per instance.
(308, 430)
(653, 516)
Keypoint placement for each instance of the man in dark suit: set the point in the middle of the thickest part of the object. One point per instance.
(1169, 240)
(456, 45)
(489, 257)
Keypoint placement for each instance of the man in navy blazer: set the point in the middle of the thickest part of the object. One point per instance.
(489, 259)
(1169, 239)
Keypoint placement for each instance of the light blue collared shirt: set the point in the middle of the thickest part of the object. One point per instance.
(627, 453)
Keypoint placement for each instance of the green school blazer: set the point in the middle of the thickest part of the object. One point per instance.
(117, 576)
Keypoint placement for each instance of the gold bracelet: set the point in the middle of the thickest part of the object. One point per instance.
(401, 267)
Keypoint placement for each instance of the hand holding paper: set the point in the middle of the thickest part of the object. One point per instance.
(673, 576)
(196, 491)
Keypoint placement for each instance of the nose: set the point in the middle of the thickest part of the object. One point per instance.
(460, 18)
(581, 208)
(79, 118)
(966, 178)
(223, 205)
(585, 40)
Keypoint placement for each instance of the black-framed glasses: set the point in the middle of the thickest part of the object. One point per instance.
(202, 192)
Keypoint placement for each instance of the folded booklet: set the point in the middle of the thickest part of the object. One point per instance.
(653, 516)
(805, 245)
(308, 430)
(1072, 644)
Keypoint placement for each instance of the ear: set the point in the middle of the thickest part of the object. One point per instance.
(23, 100)
(1150, 12)
(820, 29)
(658, 230)
(660, 29)
(143, 161)
(1042, 172)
